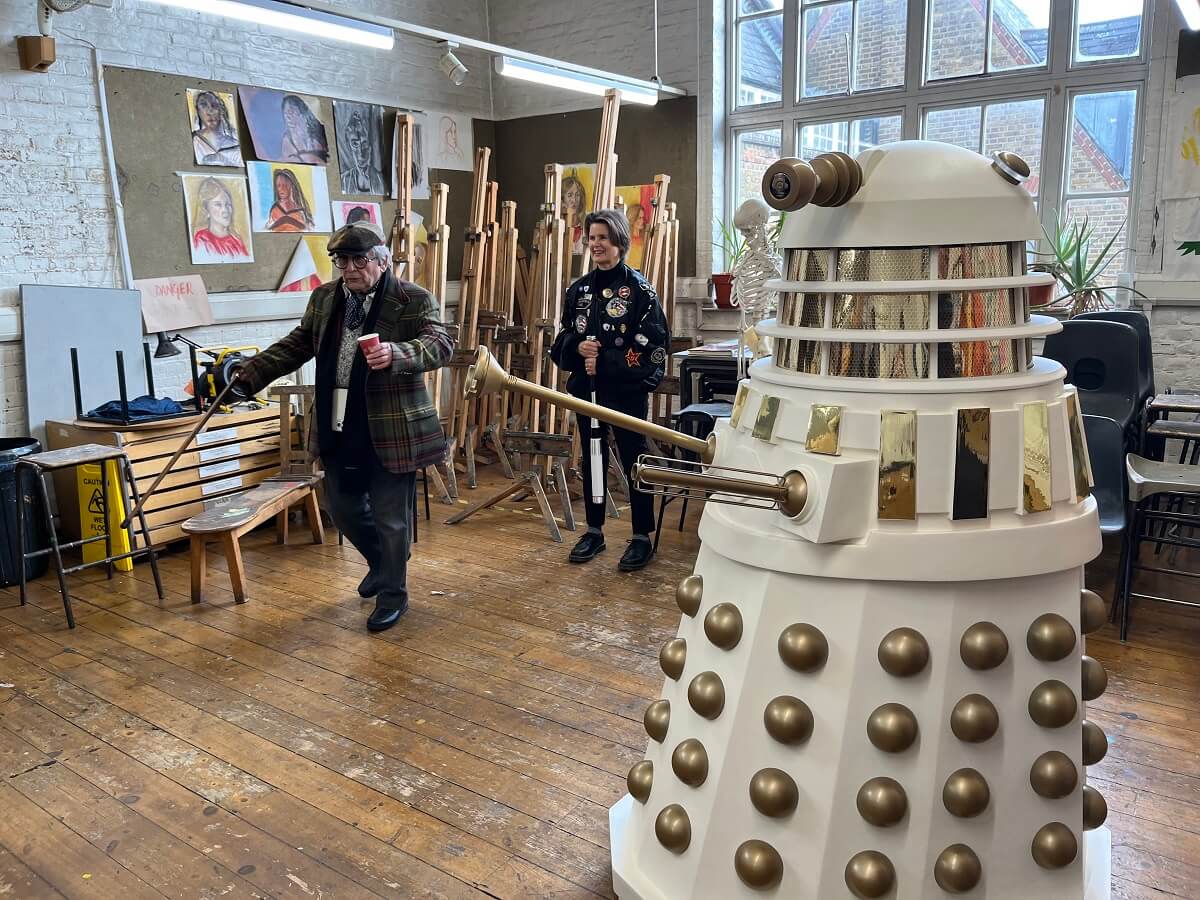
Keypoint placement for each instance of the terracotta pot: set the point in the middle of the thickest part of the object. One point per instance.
(723, 290)
(1040, 295)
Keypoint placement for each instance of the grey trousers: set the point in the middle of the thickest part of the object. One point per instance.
(377, 521)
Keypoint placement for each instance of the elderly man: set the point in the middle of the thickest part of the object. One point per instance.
(375, 424)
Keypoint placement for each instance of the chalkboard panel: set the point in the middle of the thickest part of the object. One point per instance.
(152, 141)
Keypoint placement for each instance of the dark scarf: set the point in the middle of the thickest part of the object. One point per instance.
(351, 448)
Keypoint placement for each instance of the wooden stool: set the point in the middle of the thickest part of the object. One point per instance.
(231, 517)
(38, 465)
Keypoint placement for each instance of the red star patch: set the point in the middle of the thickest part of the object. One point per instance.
(633, 358)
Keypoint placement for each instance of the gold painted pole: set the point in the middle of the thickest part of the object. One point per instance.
(790, 494)
(487, 376)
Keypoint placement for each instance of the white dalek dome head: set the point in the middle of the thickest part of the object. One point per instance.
(919, 272)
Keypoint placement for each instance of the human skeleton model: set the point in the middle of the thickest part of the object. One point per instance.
(754, 268)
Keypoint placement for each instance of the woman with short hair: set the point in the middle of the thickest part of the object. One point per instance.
(613, 339)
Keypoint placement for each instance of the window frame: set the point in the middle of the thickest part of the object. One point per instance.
(1059, 81)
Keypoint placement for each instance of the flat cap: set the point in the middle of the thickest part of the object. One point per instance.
(358, 237)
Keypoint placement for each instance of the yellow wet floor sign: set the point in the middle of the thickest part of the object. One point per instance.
(91, 513)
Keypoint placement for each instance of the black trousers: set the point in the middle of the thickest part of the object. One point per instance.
(373, 508)
(630, 445)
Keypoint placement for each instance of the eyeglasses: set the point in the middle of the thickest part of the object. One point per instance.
(341, 261)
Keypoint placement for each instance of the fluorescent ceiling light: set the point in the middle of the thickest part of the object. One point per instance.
(572, 81)
(277, 14)
(1190, 10)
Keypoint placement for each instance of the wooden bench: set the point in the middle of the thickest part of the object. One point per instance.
(231, 517)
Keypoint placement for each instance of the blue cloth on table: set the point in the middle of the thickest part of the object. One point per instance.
(140, 408)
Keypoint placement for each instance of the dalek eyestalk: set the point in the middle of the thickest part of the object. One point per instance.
(831, 179)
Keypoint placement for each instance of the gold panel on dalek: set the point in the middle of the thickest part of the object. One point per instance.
(879, 683)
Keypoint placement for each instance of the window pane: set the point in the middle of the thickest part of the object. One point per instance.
(1106, 216)
(822, 138)
(826, 50)
(756, 150)
(956, 38)
(1108, 29)
(872, 132)
(879, 38)
(746, 7)
(1101, 156)
(1020, 31)
(760, 61)
(1017, 126)
(954, 126)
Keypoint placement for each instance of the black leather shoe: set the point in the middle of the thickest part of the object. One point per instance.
(384, 618)
(368, 587)
(587, 547)
(636, 556)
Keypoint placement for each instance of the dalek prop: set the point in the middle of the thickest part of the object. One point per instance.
(878, 684)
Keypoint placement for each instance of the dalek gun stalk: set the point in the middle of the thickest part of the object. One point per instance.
(487, 376)
(788, 492)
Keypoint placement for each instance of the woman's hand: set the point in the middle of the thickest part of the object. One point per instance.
(589, 349)
(589, 365)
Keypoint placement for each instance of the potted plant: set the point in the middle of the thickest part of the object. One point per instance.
(1078, 274)
(732, 246)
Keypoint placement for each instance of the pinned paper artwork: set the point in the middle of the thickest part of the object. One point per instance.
(347, 212)
(359, 131)
(285, 127)
(213, 120)
(578, 181)
(637, 210)
(451, 143)
(218, 218)
(289, 198)
(310, 267)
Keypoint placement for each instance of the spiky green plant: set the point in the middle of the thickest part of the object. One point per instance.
(1079, 273)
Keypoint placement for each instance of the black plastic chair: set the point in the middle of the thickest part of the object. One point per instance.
(1102, 360)
(698, 420)
(1106, 449)
(1139, 323)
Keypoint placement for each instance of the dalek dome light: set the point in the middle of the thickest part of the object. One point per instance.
(920, 193)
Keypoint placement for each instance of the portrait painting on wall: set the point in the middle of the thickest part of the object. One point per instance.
(451, 144)
(637, 210)
(213, 120)
(347, 212)
(289, 198)
(358, 128)
(285, 127)
(218, 218)
(578, 181)
(311, 265)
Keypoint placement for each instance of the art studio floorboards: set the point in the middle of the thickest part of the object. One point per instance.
(275, 749)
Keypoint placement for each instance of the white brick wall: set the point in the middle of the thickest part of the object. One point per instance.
(56, 220)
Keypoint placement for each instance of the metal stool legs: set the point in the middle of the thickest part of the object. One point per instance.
(143, 527)
(44, 498)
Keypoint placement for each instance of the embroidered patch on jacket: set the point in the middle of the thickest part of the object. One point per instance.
(641, 339)
(581, 324)
(623, 293)
(658, 356)
(633, 358)
(616, 308)
(584, 302)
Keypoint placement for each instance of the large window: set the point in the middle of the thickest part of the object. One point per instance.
(1058, 82)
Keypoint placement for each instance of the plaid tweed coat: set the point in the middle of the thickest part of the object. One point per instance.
(405, 430)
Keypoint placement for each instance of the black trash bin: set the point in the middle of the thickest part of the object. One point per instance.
(11, 450)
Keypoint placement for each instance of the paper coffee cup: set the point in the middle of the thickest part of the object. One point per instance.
(368, 342)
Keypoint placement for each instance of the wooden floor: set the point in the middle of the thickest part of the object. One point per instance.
(276, 749)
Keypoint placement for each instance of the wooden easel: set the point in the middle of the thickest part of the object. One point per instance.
(604, 192)
(438, 233)
(534, 445)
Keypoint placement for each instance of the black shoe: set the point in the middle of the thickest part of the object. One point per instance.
(636, 556)
(368, 587)
(384, 618)
(587, 547)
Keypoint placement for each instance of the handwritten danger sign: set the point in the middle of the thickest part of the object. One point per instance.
(174, 302)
